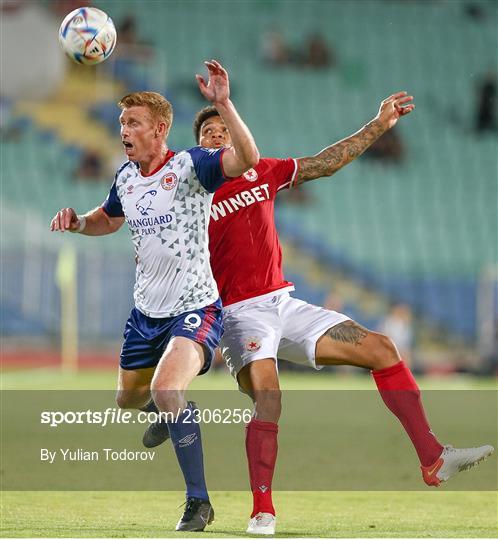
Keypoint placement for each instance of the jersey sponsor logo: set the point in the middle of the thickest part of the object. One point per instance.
(169, 181)
(144, 204)
(192, 322)
(251, 175)
(253, 344)
(187, 440)
(129, 189)
(241, 200)
(148, 222)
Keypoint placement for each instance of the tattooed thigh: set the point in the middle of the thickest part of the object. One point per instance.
(348, 332)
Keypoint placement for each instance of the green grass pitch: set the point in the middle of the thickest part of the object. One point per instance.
(427, 513)
(304, 514)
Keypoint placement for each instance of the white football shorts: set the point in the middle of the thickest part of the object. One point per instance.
(277, 326)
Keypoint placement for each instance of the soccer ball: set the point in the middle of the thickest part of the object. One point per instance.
(87, 35)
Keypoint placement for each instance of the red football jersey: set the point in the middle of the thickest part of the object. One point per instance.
(246, 257)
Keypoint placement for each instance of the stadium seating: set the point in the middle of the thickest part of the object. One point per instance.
(421, 232)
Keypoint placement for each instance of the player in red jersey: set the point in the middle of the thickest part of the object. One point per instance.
(263, 322)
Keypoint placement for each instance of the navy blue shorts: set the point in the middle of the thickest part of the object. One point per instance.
(145, 338)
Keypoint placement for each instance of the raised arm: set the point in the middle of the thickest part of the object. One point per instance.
(93, 223)
(334, 157)
(244, 153)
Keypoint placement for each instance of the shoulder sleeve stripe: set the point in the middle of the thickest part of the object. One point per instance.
(296, 170)
(290, 183)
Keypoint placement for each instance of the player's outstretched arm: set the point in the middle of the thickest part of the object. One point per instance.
(93, 223)
(244, 153)
(334, 157)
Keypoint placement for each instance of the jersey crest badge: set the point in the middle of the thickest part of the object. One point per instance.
(251, 175)
(253, 344)
(169, 181)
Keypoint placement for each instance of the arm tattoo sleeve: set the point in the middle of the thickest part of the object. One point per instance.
(334, 157)
(348, 332)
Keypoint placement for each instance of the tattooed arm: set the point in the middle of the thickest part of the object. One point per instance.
(334, 157)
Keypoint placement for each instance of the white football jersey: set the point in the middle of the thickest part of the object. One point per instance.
(168, 215)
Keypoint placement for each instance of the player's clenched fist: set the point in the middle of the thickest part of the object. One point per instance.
(65, 220)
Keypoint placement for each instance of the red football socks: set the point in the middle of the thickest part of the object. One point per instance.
(402, 397)
(261, 450)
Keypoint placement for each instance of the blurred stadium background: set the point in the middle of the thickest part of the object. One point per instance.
(404, 240)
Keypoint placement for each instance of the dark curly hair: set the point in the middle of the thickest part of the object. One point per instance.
(201, 117)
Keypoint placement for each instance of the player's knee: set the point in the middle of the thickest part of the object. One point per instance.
(167, 399)
(121, 400)
(384, 352)
(268, 405)
(132, 399)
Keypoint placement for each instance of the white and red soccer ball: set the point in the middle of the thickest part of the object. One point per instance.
(87, 35)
